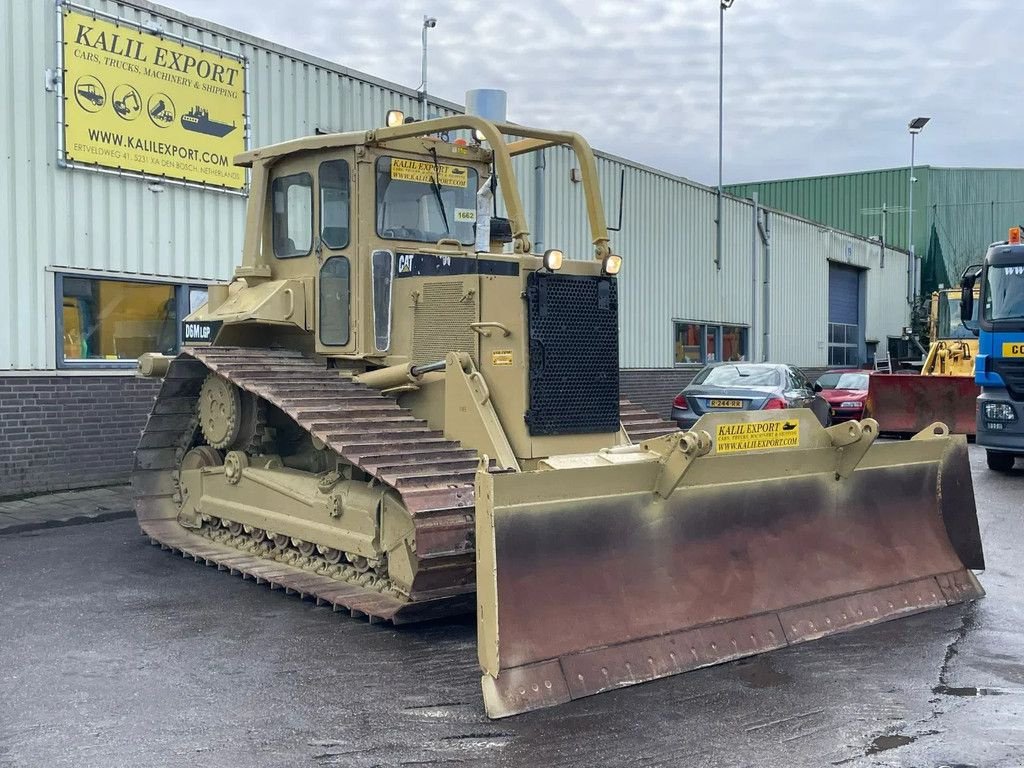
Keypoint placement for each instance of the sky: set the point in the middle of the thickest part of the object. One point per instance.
(811, 86)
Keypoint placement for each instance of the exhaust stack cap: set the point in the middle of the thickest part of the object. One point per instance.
(488, 103)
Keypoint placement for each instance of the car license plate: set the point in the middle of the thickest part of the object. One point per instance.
(726, 403)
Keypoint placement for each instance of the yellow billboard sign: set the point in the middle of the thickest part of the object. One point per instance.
(141, 102)
(757, 436)
(425, 173)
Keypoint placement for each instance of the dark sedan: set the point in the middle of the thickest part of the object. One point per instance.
(746, 387)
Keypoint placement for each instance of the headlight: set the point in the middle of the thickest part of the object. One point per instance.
(611, 264)
(394, 117)
(999, 412)
(552, 259)
(851, 404)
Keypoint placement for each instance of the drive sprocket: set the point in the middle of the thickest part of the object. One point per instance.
(230, 418)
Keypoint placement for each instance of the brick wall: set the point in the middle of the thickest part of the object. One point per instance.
(61, 432)
(654, 388)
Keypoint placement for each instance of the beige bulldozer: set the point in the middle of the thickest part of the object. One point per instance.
(396, 409)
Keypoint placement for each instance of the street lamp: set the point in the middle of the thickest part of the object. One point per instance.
(429, 22)
(915, 126)
(722, 6)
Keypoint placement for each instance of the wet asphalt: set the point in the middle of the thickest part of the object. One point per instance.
(116, 653)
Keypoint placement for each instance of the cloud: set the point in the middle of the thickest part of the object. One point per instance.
(819, 86)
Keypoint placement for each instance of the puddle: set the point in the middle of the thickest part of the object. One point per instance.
(883, 743)
(894, 741)
(968, 691)
(758, 672)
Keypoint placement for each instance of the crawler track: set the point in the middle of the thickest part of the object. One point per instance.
(434, 476)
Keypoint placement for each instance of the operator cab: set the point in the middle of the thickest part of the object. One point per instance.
(1001, 298)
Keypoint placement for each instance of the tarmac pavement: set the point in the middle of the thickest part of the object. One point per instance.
(116, 653)
(55, 510)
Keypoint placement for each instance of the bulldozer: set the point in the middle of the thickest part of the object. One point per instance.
(944, 390)
(397, 409)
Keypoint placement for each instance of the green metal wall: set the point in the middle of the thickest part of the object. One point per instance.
(968, 208)
(844, 201)
(957, 211)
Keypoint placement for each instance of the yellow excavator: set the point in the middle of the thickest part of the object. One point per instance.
(944, 390)
(397, 409)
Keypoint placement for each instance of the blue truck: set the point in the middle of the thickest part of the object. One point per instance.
(999, 365)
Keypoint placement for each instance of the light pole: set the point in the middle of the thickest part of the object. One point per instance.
(723, 4)
(915, 127)
(429, 22)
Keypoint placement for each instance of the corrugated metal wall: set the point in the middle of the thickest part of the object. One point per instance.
(668, 242)
(958, 212)
(53, 217)
(969, 208)
(845, 201)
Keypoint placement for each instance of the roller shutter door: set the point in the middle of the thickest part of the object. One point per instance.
(844, 322)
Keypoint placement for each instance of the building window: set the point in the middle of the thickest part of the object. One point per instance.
(698, 343)
(105, 323)
(843, 344)
(196, 298)
(843, 347)
(292, 223)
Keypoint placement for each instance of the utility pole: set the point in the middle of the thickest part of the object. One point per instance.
(429, 22)
(722, 6)
(915, 127)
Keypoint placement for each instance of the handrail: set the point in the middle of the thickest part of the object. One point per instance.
(531, 139)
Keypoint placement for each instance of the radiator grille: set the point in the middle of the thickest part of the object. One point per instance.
(574, 354)
(1012, 373)
(441, 323)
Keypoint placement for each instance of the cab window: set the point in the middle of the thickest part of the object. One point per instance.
(335, 296)
(424, 201)
(292, 201)
(334, 203)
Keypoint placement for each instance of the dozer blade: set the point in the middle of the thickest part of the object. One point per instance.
(909, 403)
(745, 534)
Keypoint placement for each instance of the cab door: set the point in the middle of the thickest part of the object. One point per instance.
(337, 267)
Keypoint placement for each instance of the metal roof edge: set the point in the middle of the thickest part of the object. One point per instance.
(745, 200)
(828, 175)
(872, 171)
(267, 45)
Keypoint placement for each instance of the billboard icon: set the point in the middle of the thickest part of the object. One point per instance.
(90, 93)
(127, 102)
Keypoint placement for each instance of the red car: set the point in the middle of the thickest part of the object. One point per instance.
(845, 392)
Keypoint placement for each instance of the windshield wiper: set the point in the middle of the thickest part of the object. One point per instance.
(435, 184)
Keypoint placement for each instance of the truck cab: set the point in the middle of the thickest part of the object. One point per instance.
(999, 366)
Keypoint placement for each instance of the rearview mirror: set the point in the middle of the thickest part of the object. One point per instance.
(967, 281)
(966, 301)
(818, 387)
